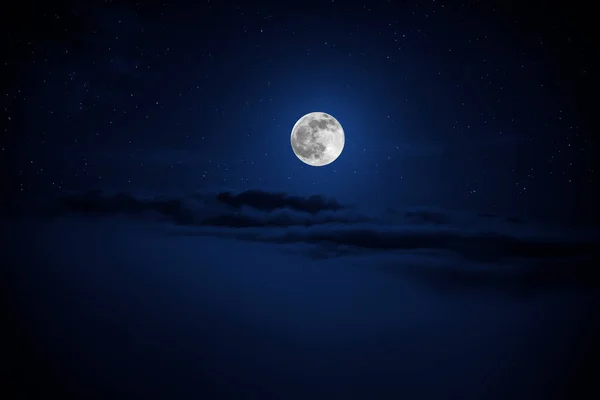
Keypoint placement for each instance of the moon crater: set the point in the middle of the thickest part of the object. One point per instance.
(317, 139)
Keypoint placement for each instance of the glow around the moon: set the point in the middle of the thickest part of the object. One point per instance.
(317, 139)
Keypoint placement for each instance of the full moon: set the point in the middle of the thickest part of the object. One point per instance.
(317, 139)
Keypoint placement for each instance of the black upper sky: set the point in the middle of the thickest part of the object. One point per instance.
(467, 104)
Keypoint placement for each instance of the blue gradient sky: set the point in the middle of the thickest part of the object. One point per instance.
(466, 106)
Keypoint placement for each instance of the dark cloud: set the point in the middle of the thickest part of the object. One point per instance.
(474, 246)
(319, 222)
(246, 209)
(279, 218)
(266, 201)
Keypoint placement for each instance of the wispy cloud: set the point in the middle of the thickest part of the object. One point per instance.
(320, 222)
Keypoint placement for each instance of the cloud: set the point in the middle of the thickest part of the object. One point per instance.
(338, 230)
(257, 208)
(266, 201)
(247, 209)
(282, 218)
(474, 245)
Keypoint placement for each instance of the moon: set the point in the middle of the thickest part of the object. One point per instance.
(317, 139)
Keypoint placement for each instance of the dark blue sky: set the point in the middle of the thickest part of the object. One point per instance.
(160, 239)
(468, 105)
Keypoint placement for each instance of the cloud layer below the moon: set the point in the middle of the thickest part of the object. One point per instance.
(309, 282)
(331, 229)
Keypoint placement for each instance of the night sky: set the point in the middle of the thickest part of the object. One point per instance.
(462, 105)
(145, 138)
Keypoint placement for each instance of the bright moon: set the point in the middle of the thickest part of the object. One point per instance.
(317, 139)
